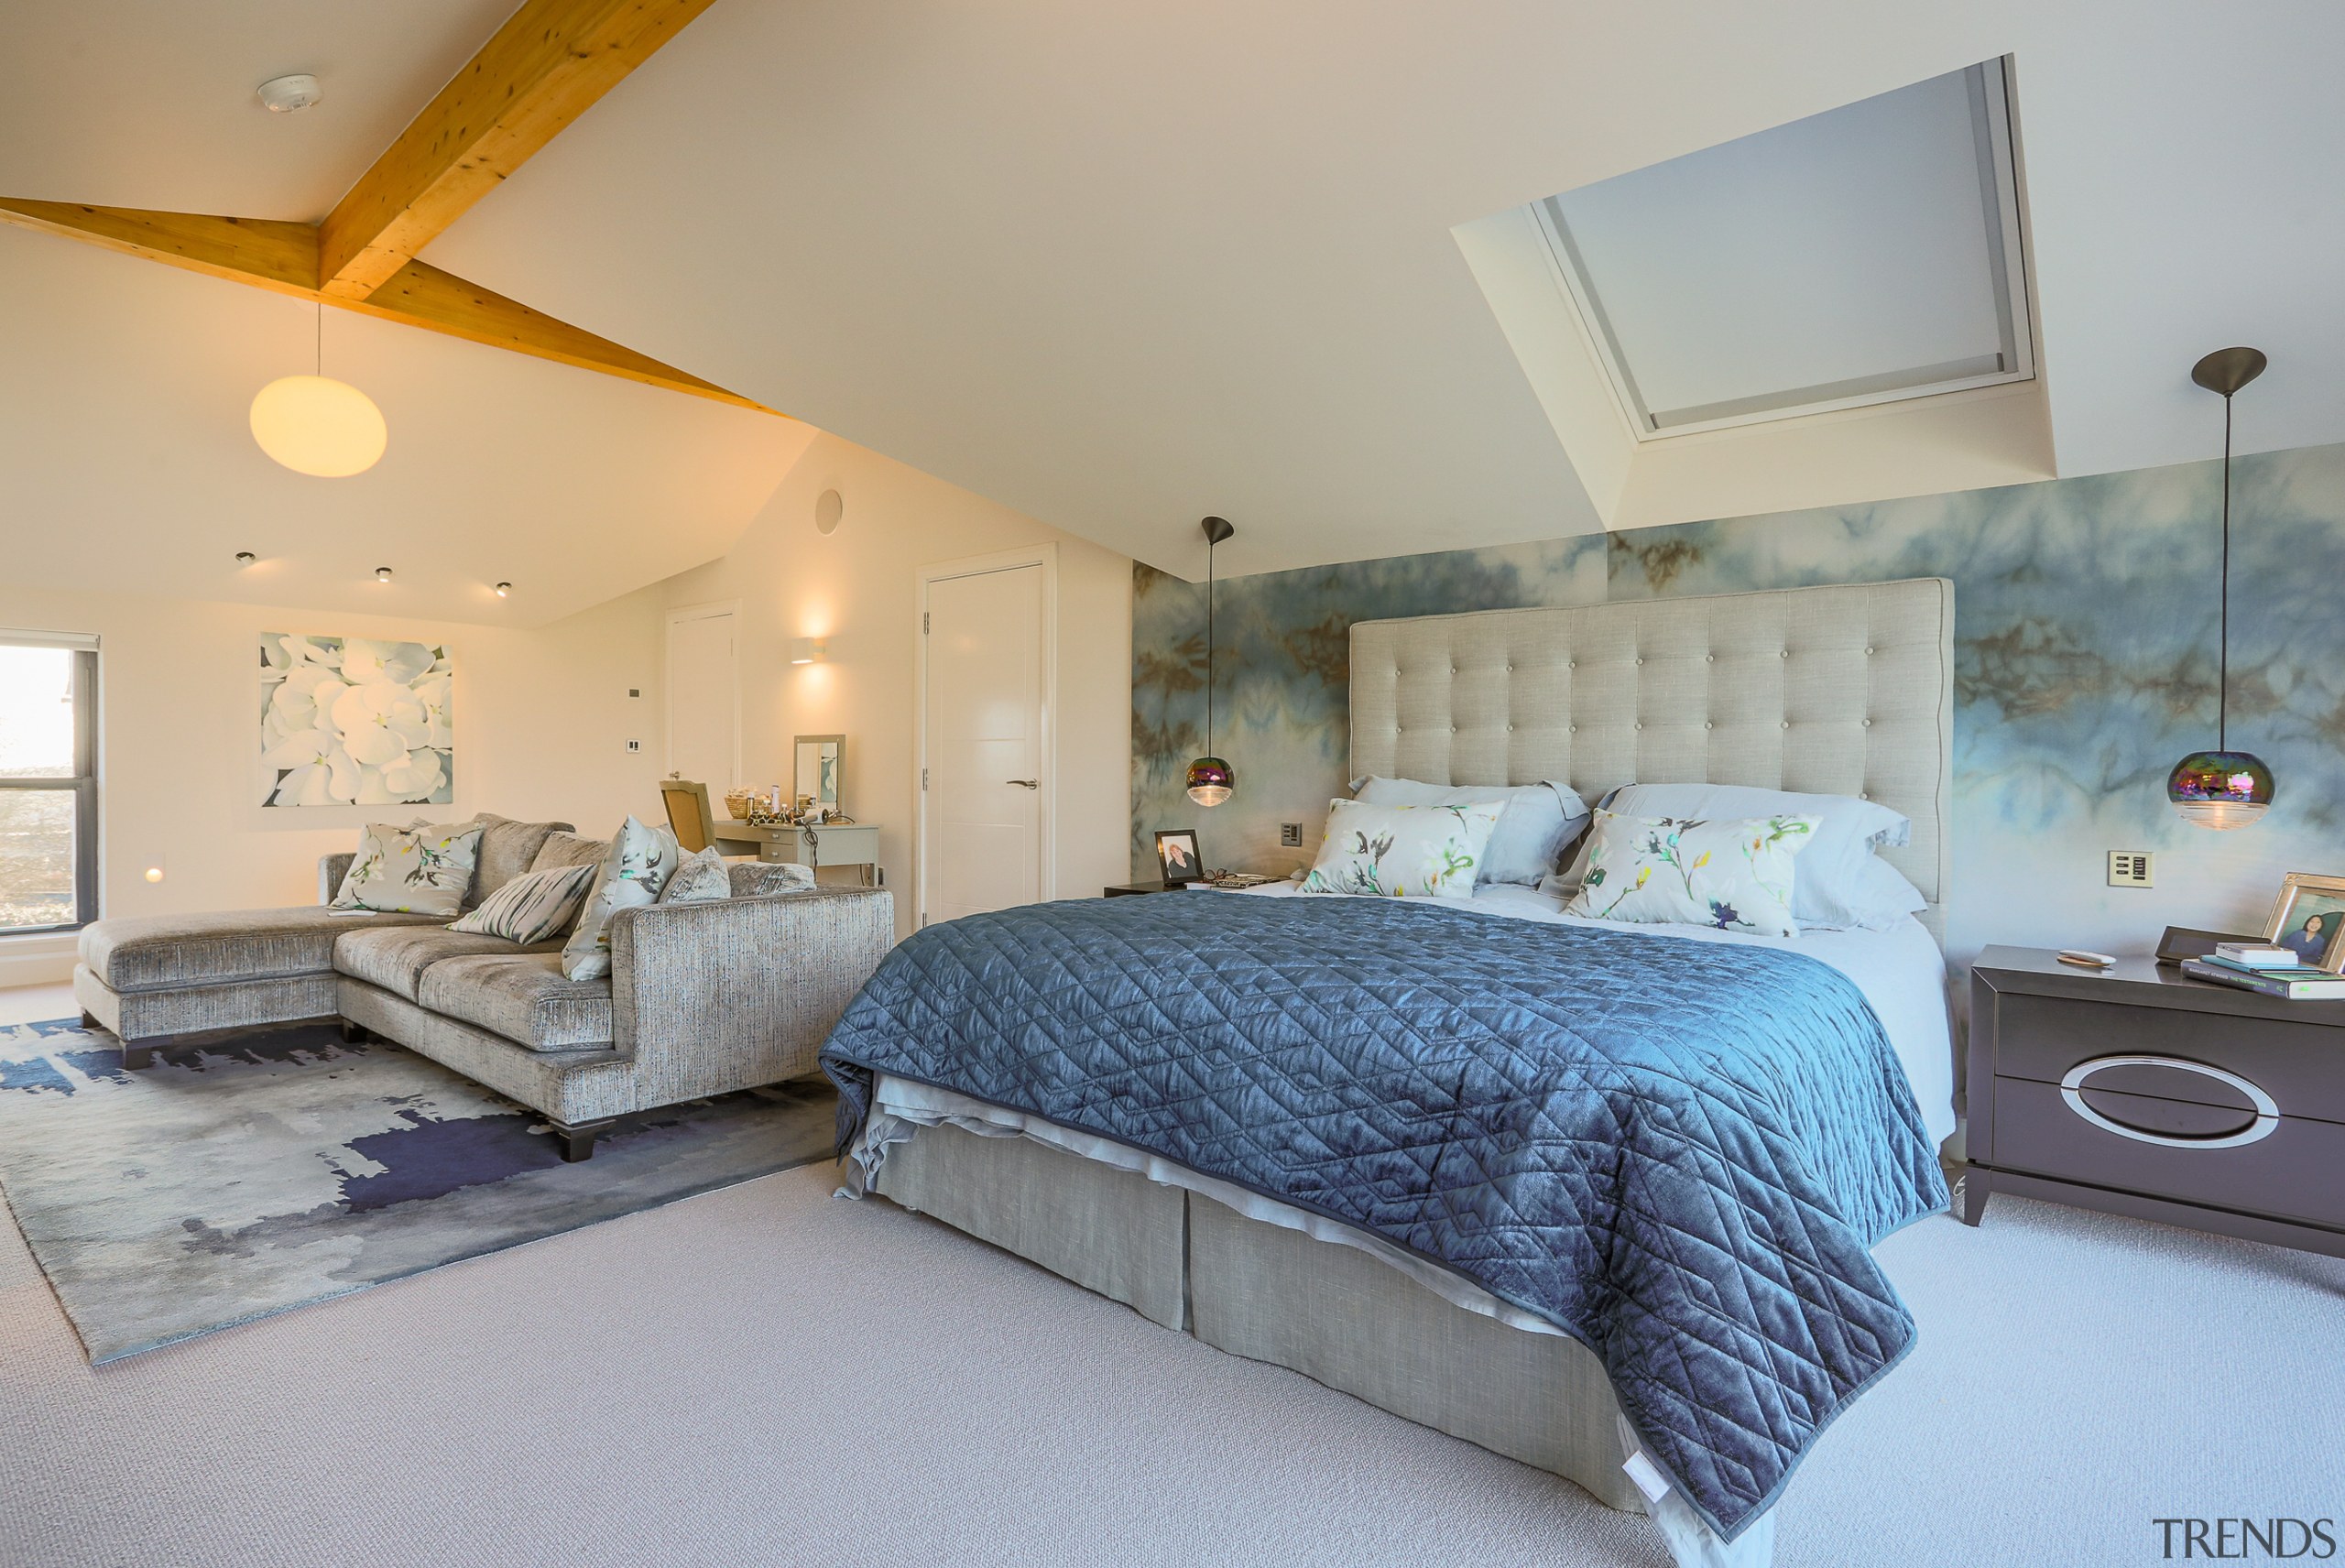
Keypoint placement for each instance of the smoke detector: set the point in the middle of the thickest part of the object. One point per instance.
(284, 94)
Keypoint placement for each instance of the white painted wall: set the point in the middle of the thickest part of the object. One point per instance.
(857, 589)
(542, 717)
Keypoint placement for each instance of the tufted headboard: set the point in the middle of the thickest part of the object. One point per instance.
(1838, 690)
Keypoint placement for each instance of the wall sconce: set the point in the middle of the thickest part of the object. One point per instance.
(154, 872)
(809, 650)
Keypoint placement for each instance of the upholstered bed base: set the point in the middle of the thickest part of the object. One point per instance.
(1256, 1290)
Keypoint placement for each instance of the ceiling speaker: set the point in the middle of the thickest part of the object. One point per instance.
(827, 508)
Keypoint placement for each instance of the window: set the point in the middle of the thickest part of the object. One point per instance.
(48, 786)
(1861, 255)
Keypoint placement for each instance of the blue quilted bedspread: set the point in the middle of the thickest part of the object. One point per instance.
(1677, 1151)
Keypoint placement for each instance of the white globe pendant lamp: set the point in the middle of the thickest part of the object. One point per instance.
(316, 425)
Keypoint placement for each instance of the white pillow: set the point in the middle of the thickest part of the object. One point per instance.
(1842, 884)
(418, 870)
(639, 863)
(1402, 852)
(1735, 873)
(1538, 821)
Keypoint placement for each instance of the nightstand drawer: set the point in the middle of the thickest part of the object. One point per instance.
(2300, 1066)
(2288, 1166)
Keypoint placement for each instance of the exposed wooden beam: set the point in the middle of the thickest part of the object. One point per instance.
(283, 257)
(258, 251)
(423, 296)
(546, 66)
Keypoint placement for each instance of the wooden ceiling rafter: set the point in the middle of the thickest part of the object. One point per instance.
(546, 65)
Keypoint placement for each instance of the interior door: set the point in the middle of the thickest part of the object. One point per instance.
(704, 699)
(986, 777)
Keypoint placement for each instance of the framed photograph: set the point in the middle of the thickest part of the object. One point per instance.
(2309, 918)
(1176, 852)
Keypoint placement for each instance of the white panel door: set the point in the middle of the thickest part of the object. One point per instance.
(983, 808)
(704, 699)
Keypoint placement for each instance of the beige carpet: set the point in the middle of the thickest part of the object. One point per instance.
(767, 1376)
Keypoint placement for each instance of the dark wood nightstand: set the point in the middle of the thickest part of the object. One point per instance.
(2139, 1091)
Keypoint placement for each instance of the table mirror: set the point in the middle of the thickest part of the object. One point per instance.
(820, 761)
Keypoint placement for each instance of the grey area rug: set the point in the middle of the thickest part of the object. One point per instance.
(280, 1166)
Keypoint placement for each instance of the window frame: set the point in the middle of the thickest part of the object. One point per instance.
(81, 783)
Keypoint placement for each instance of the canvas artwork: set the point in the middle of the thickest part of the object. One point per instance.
(354, 722)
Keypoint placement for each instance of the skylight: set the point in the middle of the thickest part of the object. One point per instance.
(1865, 254)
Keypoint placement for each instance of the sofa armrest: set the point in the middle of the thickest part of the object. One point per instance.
(332, 869)
(736, 992)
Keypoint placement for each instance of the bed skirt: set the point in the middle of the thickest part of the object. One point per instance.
(1334, 1314)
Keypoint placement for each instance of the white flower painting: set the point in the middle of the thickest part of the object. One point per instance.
(354, 722)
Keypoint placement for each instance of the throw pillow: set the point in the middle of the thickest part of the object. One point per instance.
(1842, 883)
(760, 879)
(532, 907)
(638, 864)
(1734, 874)
(1402, 852)
(699, 878)
(1538, 821)
(421, 870)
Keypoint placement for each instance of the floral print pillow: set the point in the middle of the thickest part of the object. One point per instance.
(1735, 875)
(637, 867)
(420, 869)
(1402, 852)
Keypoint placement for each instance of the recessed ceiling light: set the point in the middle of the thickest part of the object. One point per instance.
(503, 590)
(246, 558)
(382, 574)
(288, 95)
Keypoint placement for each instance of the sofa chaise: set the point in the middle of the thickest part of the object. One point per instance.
(702, 999)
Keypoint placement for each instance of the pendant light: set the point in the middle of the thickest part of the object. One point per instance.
(316, 425)
(1210, 779)
(2222, 788)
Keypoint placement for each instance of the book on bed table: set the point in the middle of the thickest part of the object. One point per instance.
(2297, 985)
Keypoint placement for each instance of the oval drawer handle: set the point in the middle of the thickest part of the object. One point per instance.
(2267, 1112)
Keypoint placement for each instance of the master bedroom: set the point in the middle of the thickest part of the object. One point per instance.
(785, 782)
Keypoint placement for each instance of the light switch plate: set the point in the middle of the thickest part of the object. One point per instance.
(1291, 835)
(2132, 868)
(634, 747)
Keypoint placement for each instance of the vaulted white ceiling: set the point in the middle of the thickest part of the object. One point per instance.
(1121, 265)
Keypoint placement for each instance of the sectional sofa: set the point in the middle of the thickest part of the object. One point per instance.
(702, 999)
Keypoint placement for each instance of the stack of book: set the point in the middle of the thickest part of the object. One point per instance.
(2268, 971)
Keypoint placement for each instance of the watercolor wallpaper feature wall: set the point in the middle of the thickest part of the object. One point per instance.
(2085, 625)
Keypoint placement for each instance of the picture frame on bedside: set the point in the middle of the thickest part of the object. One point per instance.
(1177, 856)
(2309, 917)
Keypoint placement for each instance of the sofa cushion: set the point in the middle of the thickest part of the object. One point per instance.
(395, 959)
(508, 849)
(762, 878)
(160, 952)
(525, 997)
(563, 848)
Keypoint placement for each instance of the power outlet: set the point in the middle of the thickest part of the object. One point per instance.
(634, 747)
(2132, 868)
(1291, 835)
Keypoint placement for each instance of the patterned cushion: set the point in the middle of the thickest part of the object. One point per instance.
(533, 906)
(1402, 852)
(698, 878)
(759, 878)
(508, 849)
(1735, 875)
(422, 870)
(524, 998)
(639, 864)
(395, 957)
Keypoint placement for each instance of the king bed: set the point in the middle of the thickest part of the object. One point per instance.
(1598, 1197)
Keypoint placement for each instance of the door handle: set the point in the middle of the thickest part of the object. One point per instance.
(1025, 783)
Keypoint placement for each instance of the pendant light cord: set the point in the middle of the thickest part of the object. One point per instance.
(2223, 649)
(322, 339)
(1209, 582)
